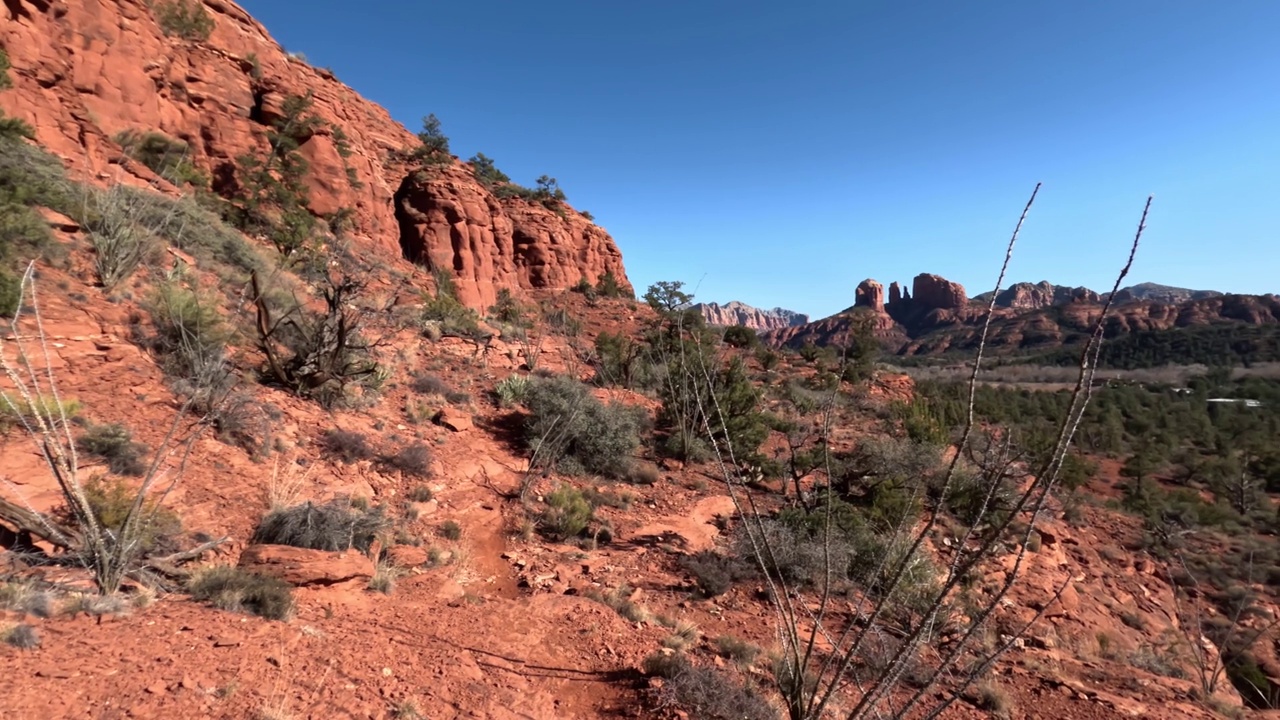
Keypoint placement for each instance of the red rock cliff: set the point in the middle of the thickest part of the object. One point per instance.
(86, 70)
(737, 313)
(935, 292)
(450, 221)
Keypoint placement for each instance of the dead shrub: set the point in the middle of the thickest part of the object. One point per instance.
(414, 461)
(337, 525)
(714, 573)
(346, 445)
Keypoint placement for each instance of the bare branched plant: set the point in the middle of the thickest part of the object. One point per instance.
(316, 355)
(909, 592)
(120, 241)
(111, 553)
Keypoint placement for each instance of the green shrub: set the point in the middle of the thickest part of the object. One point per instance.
(433, 149)
(453, 318)
(186, 19)
(705, 692)
(567, 513)
(608, 285)
(114, 443)
(484, 170)
(190, 332)
(512, 390)
(337, 525)
(230, 588)
(111, 499)
(13, 409)
(569, 429)
(507, 310)
(166, 157)
(10, 293)
(6, 82)
(741, 337)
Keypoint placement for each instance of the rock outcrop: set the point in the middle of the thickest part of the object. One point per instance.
(300, 566)
(934, 292)
(895, 292)
(870, 294)
(1029, 296)
(85, 71)
(450, 221)
(737, 313)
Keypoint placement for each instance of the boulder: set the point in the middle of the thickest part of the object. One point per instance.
(300, 566)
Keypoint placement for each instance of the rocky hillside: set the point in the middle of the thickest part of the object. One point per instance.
(737, 313)
(85, 72)
(936, 316)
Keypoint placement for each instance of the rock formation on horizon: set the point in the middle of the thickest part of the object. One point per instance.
(738, 313)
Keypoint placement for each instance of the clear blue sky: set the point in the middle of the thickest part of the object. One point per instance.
(779, 153)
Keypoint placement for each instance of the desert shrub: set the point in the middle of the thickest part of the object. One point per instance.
(433, 148)
(705, 692)
(643, 473)
(608, 285)
(24, 598)
(186, 19)
(346, 445)
(120, 240)
(114, 443)
(426, 384)
(569, 429)
(447, 311)
(512, 390)
(714, 573)
(990, 696)
(420, 493)
(486, 171)
(507, 310)
(15, 411)
(191, 335)
(796, 555)
(111, 498)
(414, 460)
(567, 513)
(163, 155)
(737, 649)
(230, 588)
(337, 525)
(450, 530)
(21, 636)
(384, 577)
(740, 336)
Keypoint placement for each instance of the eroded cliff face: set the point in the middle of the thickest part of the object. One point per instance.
(737, 313)
(86, 70)
(448, 220)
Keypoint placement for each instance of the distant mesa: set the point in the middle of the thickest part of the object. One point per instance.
(1163, 294)
(738, 313)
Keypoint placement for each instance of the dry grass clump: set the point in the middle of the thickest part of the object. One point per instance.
(230, 588)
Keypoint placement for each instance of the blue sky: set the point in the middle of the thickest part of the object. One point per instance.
(779, 153)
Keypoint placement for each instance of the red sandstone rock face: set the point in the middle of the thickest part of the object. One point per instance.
(869, 294)
(895, 292)
(736, 313)
(86, 70)
(450, 221)
(935, 292)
